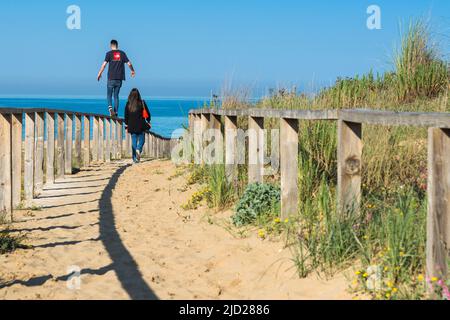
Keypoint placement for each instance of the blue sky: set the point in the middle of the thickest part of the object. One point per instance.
(190, 47)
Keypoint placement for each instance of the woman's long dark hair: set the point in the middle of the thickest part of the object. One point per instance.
(135, 101)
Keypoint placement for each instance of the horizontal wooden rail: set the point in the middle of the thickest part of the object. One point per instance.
(364, 116)
(271, 113)
(390, 118)
(39, 146)
(349, 154)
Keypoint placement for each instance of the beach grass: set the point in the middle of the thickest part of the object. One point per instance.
(387, 239)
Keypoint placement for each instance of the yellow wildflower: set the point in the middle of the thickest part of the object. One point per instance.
(420, 278)
(402, 254)
(261, 233)
(388, 295)
(394, 290)
(358, 273)
(390, 284)
(434, 279)
(365, 275)
(286, 220)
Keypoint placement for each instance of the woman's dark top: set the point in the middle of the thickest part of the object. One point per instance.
(134, 120)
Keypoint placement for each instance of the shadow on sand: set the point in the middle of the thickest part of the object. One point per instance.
(123, 264)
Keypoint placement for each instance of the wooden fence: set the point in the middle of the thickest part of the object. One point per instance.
(33, 153)
(349, 152)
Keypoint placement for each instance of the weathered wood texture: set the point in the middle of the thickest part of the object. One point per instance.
(39, 154)
(86, 141)
(119, 139)
(113, 139)
(5, 165)
(60, 146)
(231, 157)
(68, 145)
(438, 219)
(255, 149)
(50, 150)
(16, 159)
(78, 156)
(107, 148)
(271, 113)
(95, 137)
(101, 139)
(349, 167)
(197, 139)
(289, 167)
(29, 157)
(204, 126)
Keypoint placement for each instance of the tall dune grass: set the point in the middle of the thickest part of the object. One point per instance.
(389, 234)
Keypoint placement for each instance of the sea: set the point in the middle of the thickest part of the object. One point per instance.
(168, 114)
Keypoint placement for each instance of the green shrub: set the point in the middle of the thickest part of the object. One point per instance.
(259, 199)
(9, 243)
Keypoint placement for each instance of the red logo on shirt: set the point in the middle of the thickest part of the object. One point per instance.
(116, 56)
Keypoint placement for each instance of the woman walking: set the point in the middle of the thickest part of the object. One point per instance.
(136, 116)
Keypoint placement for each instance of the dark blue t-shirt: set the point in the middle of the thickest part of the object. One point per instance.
(116, 60)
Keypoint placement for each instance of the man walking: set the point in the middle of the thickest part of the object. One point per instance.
(116, 74)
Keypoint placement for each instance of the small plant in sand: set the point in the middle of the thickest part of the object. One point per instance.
(257, 203)
(9, 243)
(197, 198)
(197, 175)
(222, 192)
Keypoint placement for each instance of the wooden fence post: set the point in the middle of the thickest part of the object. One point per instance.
(149, 146)
(198, 150)
(255, 149)
(39, 154)
(349, 152)
(69, 142)
(231, 164)
(119, 139)
(5, 165)
(95, 139)
(86, 140)
(60, 146)
(29, 157)
(191, 136)
(289, 167)
(438, 218)
(50, 155)
(113, 139)
(16, 159)
(107, 140)
(216, 126)
(204, 125)
(158, 148)
(78, 154)
(101, 139)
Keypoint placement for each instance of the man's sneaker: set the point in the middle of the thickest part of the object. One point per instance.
(111, 112)
(138, 155)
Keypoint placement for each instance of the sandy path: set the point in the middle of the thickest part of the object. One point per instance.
(123, 227)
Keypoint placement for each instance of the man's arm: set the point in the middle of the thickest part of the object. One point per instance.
(133, 73)
(99, 76)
